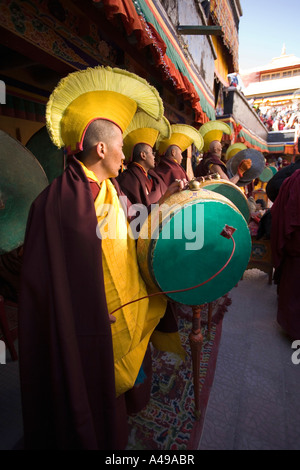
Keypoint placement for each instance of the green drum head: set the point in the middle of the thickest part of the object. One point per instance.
(21, 180)
(266, 175)
(189, 250)
(273, 169)
(233, 193)
(50, 157)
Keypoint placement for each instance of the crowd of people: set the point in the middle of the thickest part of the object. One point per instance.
(279, 118)
(85, 360)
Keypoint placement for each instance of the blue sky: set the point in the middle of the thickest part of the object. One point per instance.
(264, 27)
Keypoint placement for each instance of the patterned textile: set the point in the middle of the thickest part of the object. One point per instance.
(221, 14)
(168, 421)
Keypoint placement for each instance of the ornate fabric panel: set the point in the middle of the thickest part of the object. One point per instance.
(221, 14)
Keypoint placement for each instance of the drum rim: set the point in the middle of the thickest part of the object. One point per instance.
(233, 186)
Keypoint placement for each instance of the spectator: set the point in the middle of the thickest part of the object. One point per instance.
(285, 242)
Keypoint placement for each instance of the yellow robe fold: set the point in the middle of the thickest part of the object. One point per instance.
(123, 283)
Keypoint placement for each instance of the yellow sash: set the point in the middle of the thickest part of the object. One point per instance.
(135, 323)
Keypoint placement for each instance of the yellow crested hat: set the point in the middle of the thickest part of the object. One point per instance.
(144, 129)
(213, 130)
(183, 136)
(97, 93)
(233, 149)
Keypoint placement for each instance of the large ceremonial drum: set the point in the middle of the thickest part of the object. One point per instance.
(231, 191)
(49, 156)
(21, 180)
(181, 245)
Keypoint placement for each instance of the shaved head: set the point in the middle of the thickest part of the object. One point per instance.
(100, 129)
(169, 150)
(136, 155)
(215, 147)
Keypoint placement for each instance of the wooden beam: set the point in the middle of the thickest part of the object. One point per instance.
(200, 30)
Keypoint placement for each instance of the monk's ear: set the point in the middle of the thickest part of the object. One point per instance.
(100, 149)
(143, 155)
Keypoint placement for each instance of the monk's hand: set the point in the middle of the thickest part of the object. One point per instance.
(244, 166)
(175, 187)
(178, 185)
(112, 318)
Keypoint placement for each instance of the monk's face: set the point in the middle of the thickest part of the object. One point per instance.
(177, 154)
(149, 157)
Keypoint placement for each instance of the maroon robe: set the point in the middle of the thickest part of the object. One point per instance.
(285, 242)
(65, 344)
(133, 183)
(10, 268)
(169, 170)
(139, 188)
(203, 168)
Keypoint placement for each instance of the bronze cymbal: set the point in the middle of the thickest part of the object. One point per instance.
(258, 164)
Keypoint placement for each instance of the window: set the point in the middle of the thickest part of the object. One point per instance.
(276, 75)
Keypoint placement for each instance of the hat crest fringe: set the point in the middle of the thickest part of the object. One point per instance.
(142, 120)
(144, 129)
(190, 132)
(110, 79)
(215, 125)
(233, 149)
(183, 136)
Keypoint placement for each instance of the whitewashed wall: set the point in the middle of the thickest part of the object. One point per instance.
(189, 12)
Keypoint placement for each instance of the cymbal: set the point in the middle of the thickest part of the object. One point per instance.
(21, 180)
(258, 164)
(233, 149)
(50, 157)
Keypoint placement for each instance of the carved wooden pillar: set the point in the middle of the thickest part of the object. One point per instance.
(196, 342)
(209, 317)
